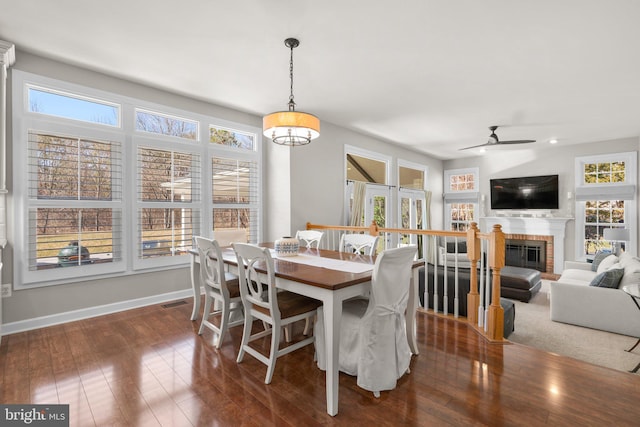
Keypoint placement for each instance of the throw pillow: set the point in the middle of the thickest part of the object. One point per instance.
(606, 263)
(597, 259)
(608, 279)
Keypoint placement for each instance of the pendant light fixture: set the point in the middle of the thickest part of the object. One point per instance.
(291, 127)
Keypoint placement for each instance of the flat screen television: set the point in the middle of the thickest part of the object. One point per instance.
(527, 192)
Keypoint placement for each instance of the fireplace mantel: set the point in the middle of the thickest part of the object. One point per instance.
(548, 226)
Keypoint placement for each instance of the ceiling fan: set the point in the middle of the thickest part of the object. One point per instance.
(493, 140)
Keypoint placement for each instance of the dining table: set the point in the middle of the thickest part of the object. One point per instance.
(328, 276)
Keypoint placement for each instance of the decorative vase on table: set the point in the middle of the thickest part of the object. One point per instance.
(287, 246)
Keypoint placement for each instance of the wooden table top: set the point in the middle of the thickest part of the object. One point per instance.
(309, 274)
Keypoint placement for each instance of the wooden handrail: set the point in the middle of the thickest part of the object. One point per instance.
(493, 330)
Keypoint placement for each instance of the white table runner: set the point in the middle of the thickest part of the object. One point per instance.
(330, 263)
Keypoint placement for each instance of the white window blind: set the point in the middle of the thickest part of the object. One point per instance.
(75, 190)
(168, 184)
(235, 195)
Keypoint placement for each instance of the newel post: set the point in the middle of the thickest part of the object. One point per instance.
(373, 228)
(495, 323)
(473, 253)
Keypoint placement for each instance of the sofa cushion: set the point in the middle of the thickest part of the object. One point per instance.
(631, 270)
(606, 263)
(598, 258)
(608, 279)
(582, 276)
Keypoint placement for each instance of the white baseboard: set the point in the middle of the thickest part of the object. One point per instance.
(86, 313)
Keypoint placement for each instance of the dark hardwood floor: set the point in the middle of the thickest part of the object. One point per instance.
(148, 367)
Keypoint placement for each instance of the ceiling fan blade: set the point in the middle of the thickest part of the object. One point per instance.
(518, 141)
(477, 146)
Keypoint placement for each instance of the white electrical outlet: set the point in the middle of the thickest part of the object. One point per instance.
(6, 290)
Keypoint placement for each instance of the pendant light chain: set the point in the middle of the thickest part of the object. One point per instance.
(292, 104)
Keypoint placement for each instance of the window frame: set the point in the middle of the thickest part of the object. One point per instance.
(601, 192)
(130, 139)
(467, 196)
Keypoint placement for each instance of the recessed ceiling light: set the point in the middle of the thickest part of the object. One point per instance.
(553, 141)
(483, 150)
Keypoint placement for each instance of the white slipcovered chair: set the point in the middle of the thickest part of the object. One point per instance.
(310, 237)
(220, 287)
(358, 243)
(373, 338)
(274, 308)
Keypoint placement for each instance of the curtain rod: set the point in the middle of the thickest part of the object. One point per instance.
(372, 183)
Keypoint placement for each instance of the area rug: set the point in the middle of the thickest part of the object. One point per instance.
(534, 328)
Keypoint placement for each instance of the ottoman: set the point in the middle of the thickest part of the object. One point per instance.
(509, 308)
(519, 283)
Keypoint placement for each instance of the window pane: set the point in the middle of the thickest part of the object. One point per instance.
(233, 181)
(231, 138)
(165, 175)
(366, 170)
(164, 124)
(74, 237)
(411, 178)
(74, 107)
(233, 218)
(601, 215)
(405, 210)
(74, 168)
(166, 232)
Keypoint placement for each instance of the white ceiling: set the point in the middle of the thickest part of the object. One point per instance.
(428, 74)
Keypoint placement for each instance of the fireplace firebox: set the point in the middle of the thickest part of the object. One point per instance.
(526, 254)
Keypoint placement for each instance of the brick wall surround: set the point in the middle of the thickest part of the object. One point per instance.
(549, 247)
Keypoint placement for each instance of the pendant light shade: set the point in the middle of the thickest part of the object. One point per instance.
(291, 127)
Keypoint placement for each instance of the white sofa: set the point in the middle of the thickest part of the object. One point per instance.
(608, 309)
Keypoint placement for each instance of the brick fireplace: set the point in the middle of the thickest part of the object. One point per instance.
(550, 230)
(537, 256)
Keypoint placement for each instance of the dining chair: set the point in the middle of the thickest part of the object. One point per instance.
(220, 287)
(272, 307)
(373, 339)
(310, 237)
(227, 237)
(364, 244)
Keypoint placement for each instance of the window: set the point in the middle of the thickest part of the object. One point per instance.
(605, 198)
(166, 180)
(90, 165)
(412, 211)
(164, 124)
(235, 195)
(461, 198)
(231, 138)
(73, 204)
(461, 215)
(70, 106)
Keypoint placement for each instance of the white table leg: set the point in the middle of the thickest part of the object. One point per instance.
(195, 284)
(332, 318)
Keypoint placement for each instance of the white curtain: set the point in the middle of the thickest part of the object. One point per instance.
(357, 208)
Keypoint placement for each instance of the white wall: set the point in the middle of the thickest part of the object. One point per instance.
(317, 192)
(544, 160)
